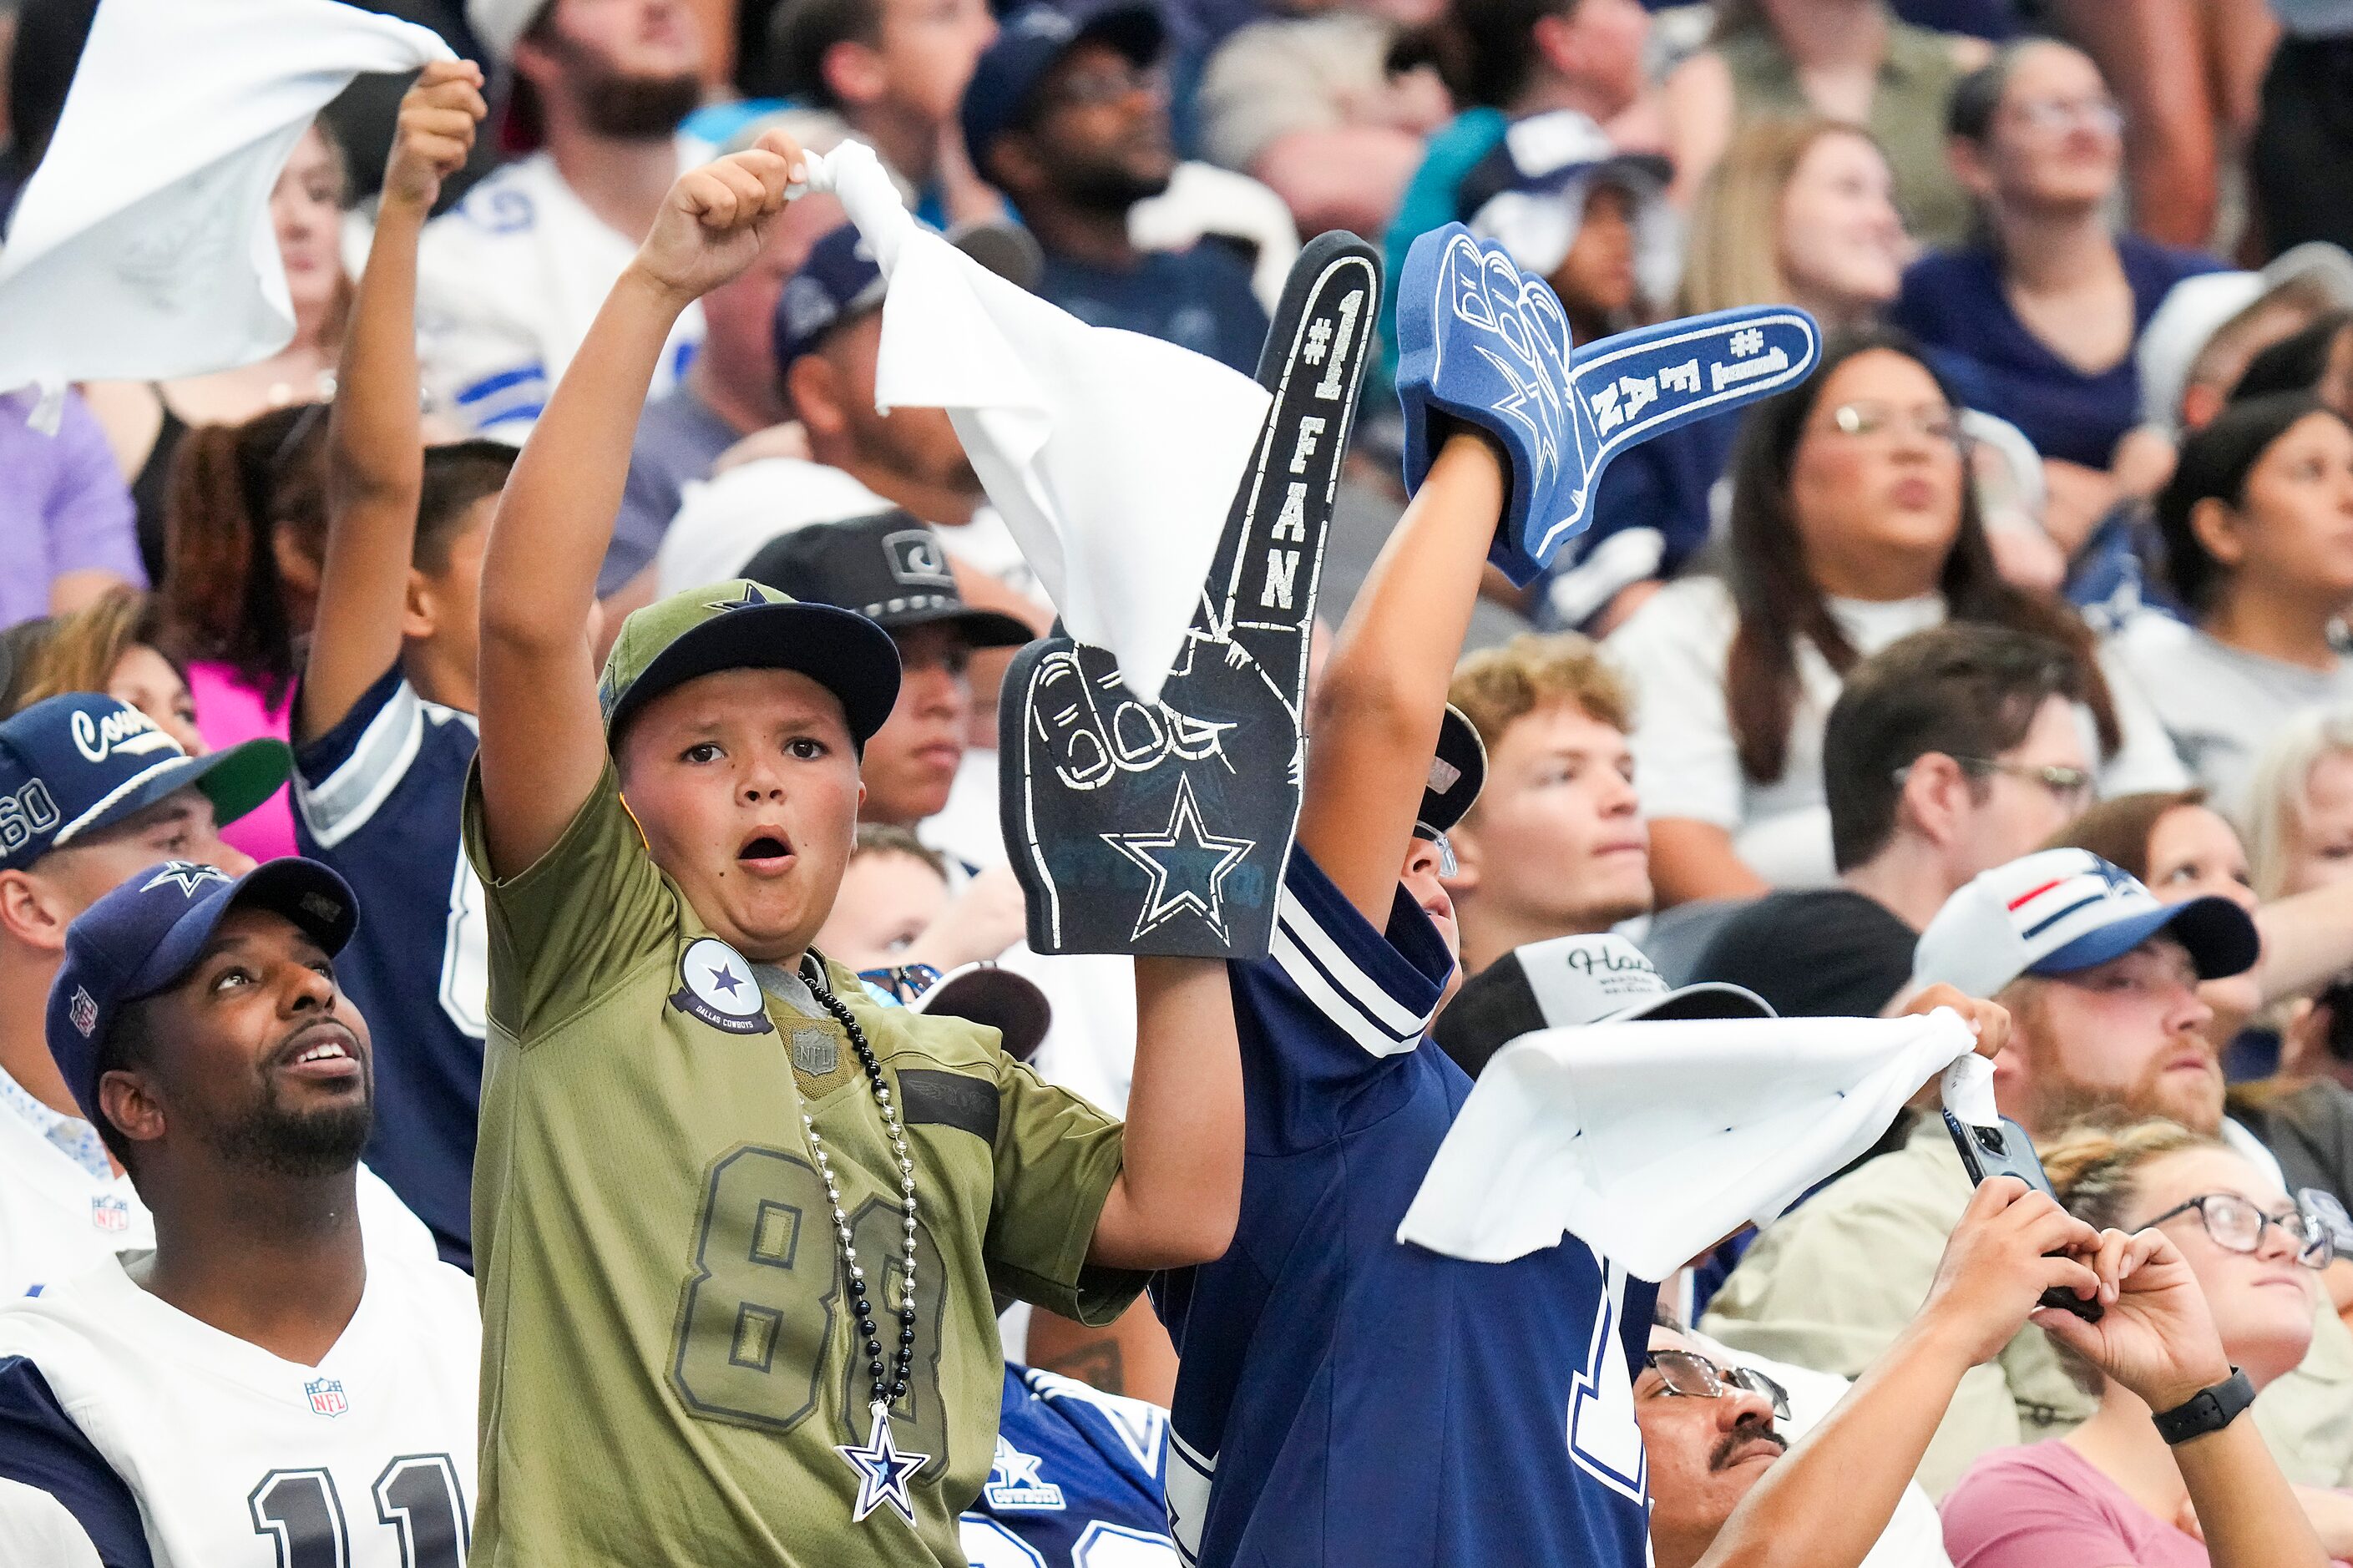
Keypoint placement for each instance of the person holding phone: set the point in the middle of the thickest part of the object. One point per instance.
(2215, 1302)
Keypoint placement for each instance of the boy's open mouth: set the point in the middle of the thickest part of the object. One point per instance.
(764, 851)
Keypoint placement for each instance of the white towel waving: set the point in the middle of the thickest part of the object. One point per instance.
(141, 248)
(1111, 456)
(1651, 1142)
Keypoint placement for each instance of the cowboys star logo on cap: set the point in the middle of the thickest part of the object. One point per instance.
(188, 876)
(716, 985)
(751, 599)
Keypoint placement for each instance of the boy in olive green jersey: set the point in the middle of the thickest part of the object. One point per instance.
(709, 1166)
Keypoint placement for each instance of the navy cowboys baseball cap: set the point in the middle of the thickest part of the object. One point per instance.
(1033, 39)
(145, 935)
(73, 765)
(891, 568)
(839, 280)
(740, 624)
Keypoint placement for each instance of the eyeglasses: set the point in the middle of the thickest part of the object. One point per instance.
(2065, 113)
(2070, 784)
(1696, 1377)
(2237, 1225)
(1870, 417)
(1093, 89)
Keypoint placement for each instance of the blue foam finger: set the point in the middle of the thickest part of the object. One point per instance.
(1485, 343)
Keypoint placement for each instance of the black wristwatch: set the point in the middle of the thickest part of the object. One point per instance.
(2207, 1410)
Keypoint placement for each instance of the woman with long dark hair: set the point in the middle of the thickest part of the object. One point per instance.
(1851, 525)
(2258, 528)
(246, 520)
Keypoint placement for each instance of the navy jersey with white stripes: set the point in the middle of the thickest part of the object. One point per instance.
(1076, 1482)
(378, 798)
(1342, 1398)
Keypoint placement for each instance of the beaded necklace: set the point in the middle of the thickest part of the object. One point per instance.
(883, 1468)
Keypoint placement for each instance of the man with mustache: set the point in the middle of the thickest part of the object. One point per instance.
(262, 1389)
(2102, 983)
(1715, 1426)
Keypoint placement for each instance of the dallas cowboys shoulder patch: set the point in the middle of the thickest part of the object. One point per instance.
(715, 984)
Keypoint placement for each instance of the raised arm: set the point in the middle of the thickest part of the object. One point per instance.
(1179, 1190)
(1825, 1504)
(2157, 1339)
(2308, 941)
(1377, 713)
(543, 734)
(375, 457)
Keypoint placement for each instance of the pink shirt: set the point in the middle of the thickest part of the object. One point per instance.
(2046, 1505)
(229, 712)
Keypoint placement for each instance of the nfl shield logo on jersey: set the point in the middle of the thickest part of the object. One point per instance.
(109, 1212)
(327, 1396)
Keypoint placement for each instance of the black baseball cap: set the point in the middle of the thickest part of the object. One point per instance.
(142, 937)
(739, 624)
(1033, 39)
(1568, 983)
(891, 568)
(1457, 774)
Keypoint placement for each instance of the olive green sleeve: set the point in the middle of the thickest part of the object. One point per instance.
(1056, 1159)
(567, 926)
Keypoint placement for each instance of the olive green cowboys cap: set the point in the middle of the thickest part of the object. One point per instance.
(739, 624)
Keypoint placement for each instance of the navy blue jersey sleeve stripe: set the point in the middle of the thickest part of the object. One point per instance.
(41, 1447)
(1398, 974)
(319, 760)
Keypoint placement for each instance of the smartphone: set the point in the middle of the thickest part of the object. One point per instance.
(2004, 1150)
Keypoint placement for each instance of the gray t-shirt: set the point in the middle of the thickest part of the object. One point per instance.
(2221, 705)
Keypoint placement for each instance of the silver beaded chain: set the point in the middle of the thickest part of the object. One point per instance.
(888, 1389)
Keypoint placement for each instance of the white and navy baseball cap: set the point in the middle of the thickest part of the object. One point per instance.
(2061, 912)
(1568, 983)
(73, 765)
(145, 935)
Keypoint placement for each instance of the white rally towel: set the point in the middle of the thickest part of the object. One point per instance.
(141, 250)
(1651, 1142)
(1111, 456)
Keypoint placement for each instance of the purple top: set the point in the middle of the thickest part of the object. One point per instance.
(63, 507)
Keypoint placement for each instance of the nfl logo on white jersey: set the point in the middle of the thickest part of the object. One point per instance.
(327, 1396)
(110, 1214)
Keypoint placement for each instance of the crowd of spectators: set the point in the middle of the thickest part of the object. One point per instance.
(2039, 580)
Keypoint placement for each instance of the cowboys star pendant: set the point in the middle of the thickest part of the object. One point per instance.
(883, 1470)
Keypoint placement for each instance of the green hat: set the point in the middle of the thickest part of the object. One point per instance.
(739, 624)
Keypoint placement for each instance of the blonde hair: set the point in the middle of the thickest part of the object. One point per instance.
(1734, 255)
(2276, 789)
(2094, 1168)
(1498, 686)
(77, 652)
(888, 838)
